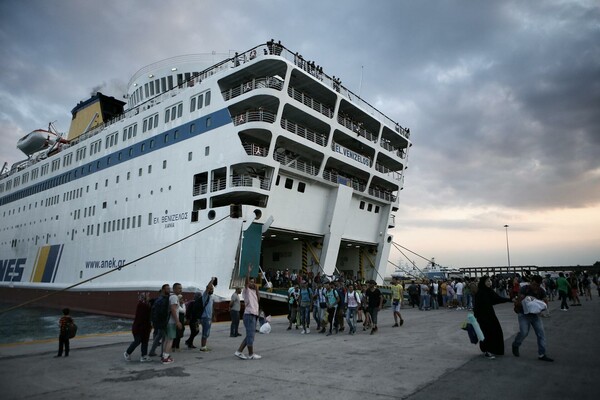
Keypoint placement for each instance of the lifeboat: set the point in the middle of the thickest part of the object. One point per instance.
(38, 140)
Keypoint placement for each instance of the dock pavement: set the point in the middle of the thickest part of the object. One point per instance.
(428, 357)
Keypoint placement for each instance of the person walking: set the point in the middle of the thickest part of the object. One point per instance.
(352, 301)
(207, 314)
(63, 336)
(531, 320)
(172, 325)
(160, 317)
(333, 301)
(484, 301)
(140, 328)
(563, 290)
(375, 300)
(251, 311)
(397, 295)
(234, 311)
(180, 331)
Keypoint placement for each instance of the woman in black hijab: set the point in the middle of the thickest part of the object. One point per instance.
(485, 299)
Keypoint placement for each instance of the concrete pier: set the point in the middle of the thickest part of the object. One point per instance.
(429, 357)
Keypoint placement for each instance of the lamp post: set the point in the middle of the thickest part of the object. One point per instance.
(507, 249)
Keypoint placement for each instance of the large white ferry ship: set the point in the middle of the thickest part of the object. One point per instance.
(260, 158)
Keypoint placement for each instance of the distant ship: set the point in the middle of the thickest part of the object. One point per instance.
(260, 158)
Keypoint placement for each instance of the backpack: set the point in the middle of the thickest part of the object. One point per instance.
(160, 312)
(188, 309)
(71, 329)
(197, 307)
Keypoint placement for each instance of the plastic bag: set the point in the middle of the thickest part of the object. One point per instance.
(265, 328)
(473, 321)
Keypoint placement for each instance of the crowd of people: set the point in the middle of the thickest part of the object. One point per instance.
(334, 303)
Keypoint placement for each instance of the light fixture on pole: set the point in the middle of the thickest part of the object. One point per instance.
(507, 249)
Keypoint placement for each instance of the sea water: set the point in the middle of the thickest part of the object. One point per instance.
(36, 323)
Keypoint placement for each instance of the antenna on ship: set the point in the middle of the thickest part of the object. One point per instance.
(361, 79)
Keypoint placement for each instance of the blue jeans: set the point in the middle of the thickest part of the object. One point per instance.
(525, 321)
(250, 325)
(351, 318)
(137, 340)
(305, 316)
(424, 302)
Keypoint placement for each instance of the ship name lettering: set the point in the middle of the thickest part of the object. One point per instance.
(12, 270)
(174, 217)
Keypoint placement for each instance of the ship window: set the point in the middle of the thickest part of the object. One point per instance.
(179, 79)
(130, 151)
(139, 221)
(176, 135)
(207, 99)
(277, 180)
(179, 110)
(200, 101)
(143, 147)
(128, 175)
(113, 225)
(149, 218)
(362, 205)
(369, 207)
(207, 150)
(146, 89)
(104, 204)
(208, 122)
(117, 180)
(163, 83)
(157, 86)
(166, 138)
(152, 143)
(144, 126)
(170, 80)
(301, 187)
(376, 209)
(149, 169)
(151, 87)
(164, 164)
(167, 114)
(193, 104)
(107, 160)
(173, 112)
(140, 172)
(192, 128)
(289, 183)
(128, 222)
(190, 156)
(106, 183)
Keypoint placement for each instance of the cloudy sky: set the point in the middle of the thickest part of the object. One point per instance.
(502, 99)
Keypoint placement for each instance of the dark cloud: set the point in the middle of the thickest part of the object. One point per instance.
(501, 97)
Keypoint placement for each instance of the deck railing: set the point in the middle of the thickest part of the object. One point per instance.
(335, 177)
(306, 133)
(255, 150)
(293, 161)
(310, 102)
(269, 82)
(357, 128)
(246, 180)
(253, 116)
